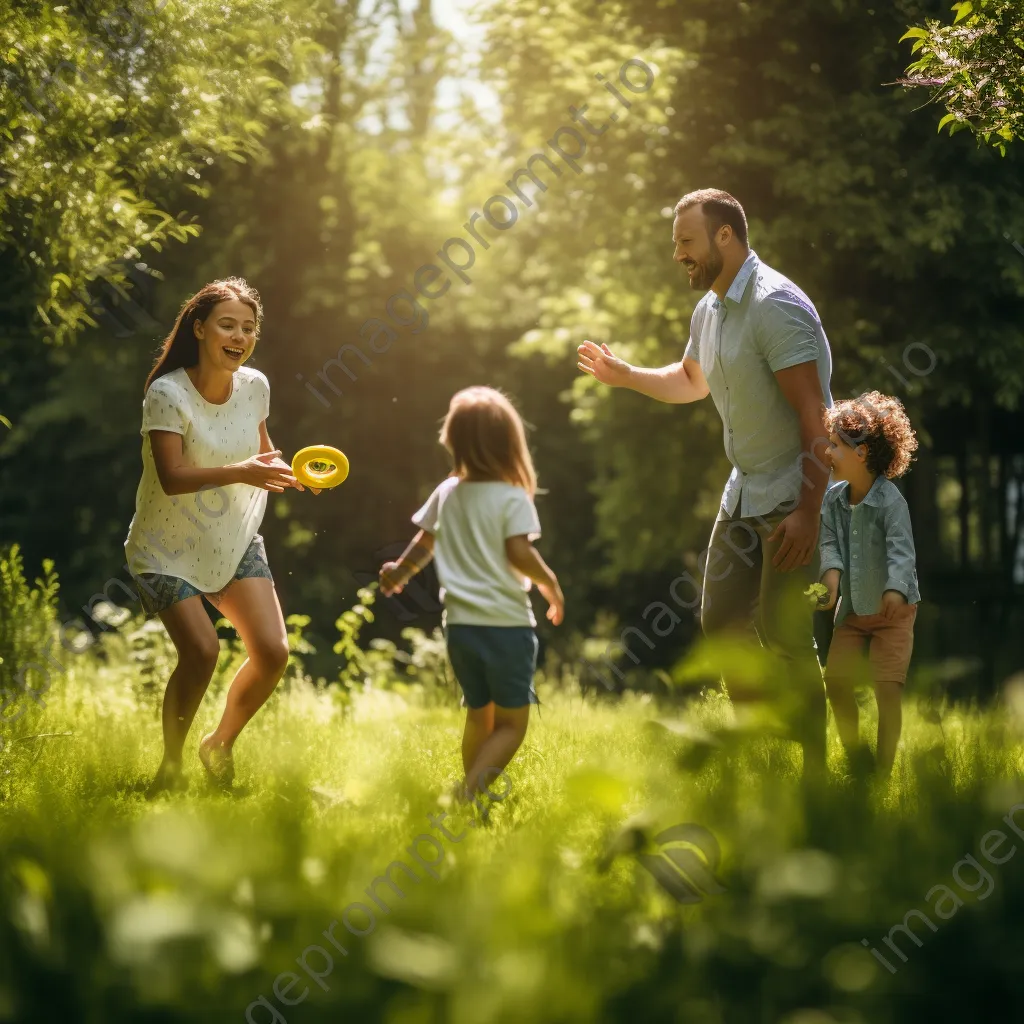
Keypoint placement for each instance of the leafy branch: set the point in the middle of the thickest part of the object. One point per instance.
(975, 68)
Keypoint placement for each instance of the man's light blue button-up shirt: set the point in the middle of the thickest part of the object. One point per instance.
(872, 543)
(765, 324)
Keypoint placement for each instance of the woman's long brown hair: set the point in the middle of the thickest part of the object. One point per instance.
(181, 346)
(487, 440)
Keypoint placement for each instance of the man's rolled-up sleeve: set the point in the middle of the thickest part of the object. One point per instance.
(692, 350)
(789, 332)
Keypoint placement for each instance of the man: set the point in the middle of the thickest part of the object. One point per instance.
(757, 346)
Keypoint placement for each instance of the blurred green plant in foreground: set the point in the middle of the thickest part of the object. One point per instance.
(199, 907)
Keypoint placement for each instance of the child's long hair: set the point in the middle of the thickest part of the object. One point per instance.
(880, 422)
(181, 346)
(487, 440)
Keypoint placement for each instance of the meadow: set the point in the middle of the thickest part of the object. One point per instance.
(649, 856)
(283, 901)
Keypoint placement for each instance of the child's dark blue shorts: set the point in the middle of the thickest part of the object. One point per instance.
(494, 663)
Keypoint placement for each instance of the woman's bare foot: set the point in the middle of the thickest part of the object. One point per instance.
(218, 762)
(168, 779)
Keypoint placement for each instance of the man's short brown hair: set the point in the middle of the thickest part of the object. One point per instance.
(718, 208)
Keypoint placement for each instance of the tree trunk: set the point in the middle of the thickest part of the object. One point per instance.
(964, 478)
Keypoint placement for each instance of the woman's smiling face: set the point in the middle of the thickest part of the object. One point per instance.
(227, 336)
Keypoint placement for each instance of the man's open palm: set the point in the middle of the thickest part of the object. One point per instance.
(599, 362)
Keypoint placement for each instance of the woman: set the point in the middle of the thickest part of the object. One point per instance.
(207, 465)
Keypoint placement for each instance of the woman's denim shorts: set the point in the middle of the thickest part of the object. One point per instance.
(158, 592)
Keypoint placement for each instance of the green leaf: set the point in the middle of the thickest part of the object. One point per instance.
(945, 121)
(962, 9)
(6, 422)
(914, 33)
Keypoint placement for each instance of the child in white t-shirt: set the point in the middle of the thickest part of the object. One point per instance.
(478, 525)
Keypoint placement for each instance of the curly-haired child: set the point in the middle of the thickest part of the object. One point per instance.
(868, 564)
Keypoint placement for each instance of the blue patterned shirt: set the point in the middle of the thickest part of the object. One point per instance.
(765, 324)
(872, 543)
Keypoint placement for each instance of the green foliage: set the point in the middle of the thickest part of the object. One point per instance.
(975, 68)
(364, 164)
(105, 112)
(361, 667)
(27, 620)
(189, 909)
(420, 674)
(298, 644)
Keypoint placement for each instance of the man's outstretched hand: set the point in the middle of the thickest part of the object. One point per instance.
(798, 537)
(599, 362)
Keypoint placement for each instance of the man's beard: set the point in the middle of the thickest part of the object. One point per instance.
(708, 271)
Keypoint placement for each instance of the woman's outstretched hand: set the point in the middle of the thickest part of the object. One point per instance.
(269, 471)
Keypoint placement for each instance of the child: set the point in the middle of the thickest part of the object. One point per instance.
(480, 523)
(867, 561)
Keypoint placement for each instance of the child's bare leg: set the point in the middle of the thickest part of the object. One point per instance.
(890, 724)
(847, 666)
(479, 725)
(499, 748)
(844, 706)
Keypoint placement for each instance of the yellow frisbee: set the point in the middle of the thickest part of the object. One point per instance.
(320, 466)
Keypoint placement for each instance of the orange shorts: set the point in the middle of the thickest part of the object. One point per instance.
(887, 644)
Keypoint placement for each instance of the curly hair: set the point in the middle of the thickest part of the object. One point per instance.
(880, 422)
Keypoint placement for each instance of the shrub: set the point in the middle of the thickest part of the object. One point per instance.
(27, 618)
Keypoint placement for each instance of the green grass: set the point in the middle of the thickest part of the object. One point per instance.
(189, 908)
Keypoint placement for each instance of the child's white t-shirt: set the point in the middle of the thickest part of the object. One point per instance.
(470, 521)
(199, 537)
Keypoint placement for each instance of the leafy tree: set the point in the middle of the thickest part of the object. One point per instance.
(366, 164)
(975, 68)
(106, 112)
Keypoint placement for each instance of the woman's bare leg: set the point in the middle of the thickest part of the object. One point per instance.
(195, 640)
(499, 748)
(251, 606)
